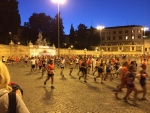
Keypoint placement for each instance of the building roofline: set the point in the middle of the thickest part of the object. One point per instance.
(123, 26)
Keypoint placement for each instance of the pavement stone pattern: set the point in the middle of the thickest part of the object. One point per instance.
(72, 95)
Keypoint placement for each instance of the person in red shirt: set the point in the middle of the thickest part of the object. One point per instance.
(122, 72)
(50, 73)
(17, 60)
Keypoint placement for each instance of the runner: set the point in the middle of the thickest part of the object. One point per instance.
(12, 59)
(84, 70)
(122, 72)
(142, 80)
(100, 73)
(50, 73)
(32, 64)
(96, 65)
(44, 62)
(71, 66)
(130, 77)
(17, 60)
(62, 64)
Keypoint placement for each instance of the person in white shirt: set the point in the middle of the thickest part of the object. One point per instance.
(33, 62)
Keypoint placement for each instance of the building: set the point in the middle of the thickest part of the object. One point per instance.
(124, 39)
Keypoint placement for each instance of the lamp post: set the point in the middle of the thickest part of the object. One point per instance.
(85, 52)
(102, 53)
(100, 28)
(144, 29)
(69, 50)
(58, 2)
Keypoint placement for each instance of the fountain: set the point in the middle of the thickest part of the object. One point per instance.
(41, 47)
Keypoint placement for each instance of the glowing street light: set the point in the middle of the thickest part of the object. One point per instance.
(85, 50)
(145, 29)
(58, 2)
(100, 28)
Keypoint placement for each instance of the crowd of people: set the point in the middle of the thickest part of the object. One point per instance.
(105, 67)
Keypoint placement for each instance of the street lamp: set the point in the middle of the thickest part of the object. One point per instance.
(71, 46)
(85, 51)
(58, 2)
(69, 50)
(102, 53)
(144, 29)
(100, 28)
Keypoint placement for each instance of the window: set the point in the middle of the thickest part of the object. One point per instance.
(114, 32)
(108, 37)
(108, 49)
(108, 32)
(126, 37)
(132, 48)
(139, 31)
(114, 38)
(132, 37)
(133, 31)
(139, 36)
(126, 31)
(103, 33)
(120, 37)
(103, 38)
(145, 49)
(120, 32)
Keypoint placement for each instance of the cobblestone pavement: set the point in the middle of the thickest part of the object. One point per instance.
(72, 95)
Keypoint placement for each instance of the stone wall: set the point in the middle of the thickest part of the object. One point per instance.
(20, 50)
(15, 49)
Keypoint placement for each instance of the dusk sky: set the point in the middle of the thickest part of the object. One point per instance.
(108, 13)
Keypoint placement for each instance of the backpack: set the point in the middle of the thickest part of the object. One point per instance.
(12, 102)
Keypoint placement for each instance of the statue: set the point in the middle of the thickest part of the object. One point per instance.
(40, 41)
(44, 42)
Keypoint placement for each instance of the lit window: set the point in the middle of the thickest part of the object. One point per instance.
(132, 37)
(126, 37)
(133, 31)
(139, 31)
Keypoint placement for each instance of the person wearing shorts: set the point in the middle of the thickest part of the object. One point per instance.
(50, 73)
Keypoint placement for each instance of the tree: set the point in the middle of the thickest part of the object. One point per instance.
(81, 38)
(40, 23)
(72, 35)
(55, 31)
(9, 20)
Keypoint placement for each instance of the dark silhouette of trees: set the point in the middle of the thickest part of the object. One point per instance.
(9, 21)
(72, 36)
(54, 32)
(40, 22)
(81, 37)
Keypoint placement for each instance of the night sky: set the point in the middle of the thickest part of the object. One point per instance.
(108, 13)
